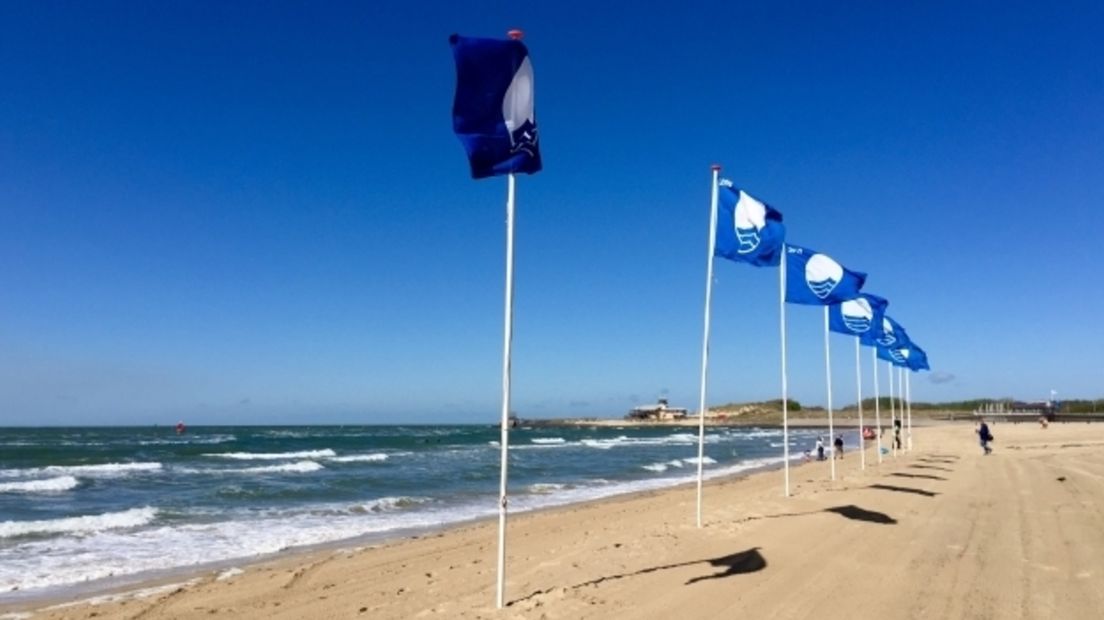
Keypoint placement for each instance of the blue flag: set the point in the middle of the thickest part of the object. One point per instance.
(861, 316)
(492, 112)
(917, 358)
(748, 231)
(815, 279)
(892, 335)
(898, 357)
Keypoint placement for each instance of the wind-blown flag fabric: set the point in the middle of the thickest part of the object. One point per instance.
(860, 316)
(897, 356)
(492, 112)
(917, 358)
(748, 231)
(892, 335)
(813, 278)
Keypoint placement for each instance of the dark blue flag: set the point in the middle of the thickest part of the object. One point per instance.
(492, 112)
(815, 279)
(892, 335)
(862, 316)
(748, 231)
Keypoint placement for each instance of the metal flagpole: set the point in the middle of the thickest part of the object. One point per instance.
(908, 402)
(858, 386)
(705, 336)
(877, 396)
(785, 395)
(828, 375)
(892, 411)
(507, 338)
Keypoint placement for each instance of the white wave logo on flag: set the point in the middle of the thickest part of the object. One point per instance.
(899, 355)
(517, 110)
(888, 338)
(750, 218)
(857, 315)
(822, 274)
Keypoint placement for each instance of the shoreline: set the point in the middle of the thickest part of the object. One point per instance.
(943, 528)
(127, 587)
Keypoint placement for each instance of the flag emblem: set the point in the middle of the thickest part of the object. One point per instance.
(822, 274)
(750, 218)
(517, 111)
(857, 315)
(888, 338)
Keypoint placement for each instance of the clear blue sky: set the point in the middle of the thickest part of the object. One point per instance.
(257, 212)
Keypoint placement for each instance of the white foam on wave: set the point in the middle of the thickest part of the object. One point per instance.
(542, 488)
(676, 439)
(135, 517)
(66, 560)
(48, 485)
(388, 504)
(707, 460)
(301, 467)
(103, 469)
(359, 458)
(229, 573)
(274, 456)
(548, 441)
(656, 467)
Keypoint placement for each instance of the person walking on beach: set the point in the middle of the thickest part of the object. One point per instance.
(820, 449)
(984, 437)
(897, 433)
(838, 443)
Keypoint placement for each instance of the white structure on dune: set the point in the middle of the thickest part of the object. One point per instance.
(658, 411)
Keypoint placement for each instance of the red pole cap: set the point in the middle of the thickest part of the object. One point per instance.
(515, 34)
(715, 167)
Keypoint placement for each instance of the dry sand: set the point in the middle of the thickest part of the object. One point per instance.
(942, 532)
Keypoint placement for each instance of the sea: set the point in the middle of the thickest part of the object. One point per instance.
(83, 509)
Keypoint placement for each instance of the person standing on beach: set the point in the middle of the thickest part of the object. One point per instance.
(984, 437)
(838, 443)
(897, 433)
(820, 449)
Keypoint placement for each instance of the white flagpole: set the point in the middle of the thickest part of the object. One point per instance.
(828, 375)
(908, 401)
(785, 394)
(858, 386)
(877, 396)
(892, 411)
(507, 338)
(901, 400)
(705, 336)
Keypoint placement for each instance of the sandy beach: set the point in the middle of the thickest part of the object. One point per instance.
(941, 532)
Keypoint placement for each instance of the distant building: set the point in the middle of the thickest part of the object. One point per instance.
(658, 411)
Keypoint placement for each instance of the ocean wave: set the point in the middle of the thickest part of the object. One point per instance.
(547, 441)
(301, 467)
(135, 517)
(388, 504)
(656, 467)
(544, 488)
(104, 469)
(185, 440)
(48, 485)
(359, 458)
(274, 456)
(676, 439)
(705, 460)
